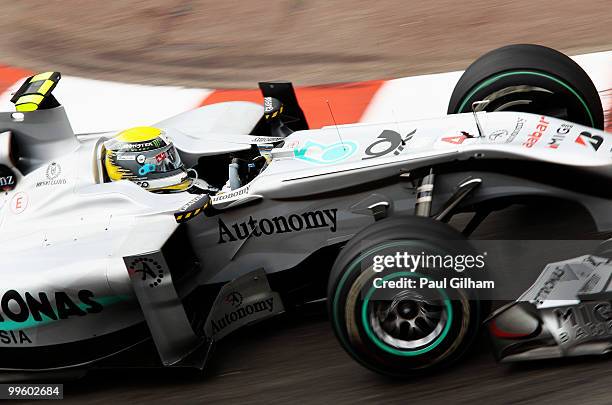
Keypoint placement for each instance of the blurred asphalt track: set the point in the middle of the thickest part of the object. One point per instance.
(235, 43)
(212, 43)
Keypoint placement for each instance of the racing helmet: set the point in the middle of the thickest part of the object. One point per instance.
(146, 156)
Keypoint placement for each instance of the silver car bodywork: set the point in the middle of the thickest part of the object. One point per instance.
(93, 264)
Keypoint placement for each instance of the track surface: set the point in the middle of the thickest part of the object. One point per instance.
(235, 44)
(211, 43)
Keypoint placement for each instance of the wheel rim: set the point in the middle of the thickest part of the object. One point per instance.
(433, 343)
(409, 321)
(529, 98)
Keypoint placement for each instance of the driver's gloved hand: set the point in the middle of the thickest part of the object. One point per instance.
(258, 163)
(200, 186)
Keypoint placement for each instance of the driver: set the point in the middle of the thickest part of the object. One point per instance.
(147, 157)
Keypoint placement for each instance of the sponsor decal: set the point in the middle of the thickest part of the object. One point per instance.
(502, 136)
(192, 208)
(590, 284)
(292, 144)
(54, 170)
(241, 311)
(535, 136)
(268, 106)
(559, 136)
(30, 308)
(14, 337)
(318, 153)
(161, 157)
(589, 320)
(231, 195)
(266, 139)
(234, 299)
(499, 136)
(19, 202)
(519, 125)
(146, 169)
(457, 140)
(147, 269)
(586, 138)
(155, 143)
(193, 202)
(325, 218)
(8, 180)
(549, 285)
(388, 141)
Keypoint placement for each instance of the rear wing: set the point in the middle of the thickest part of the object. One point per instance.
(35, 92)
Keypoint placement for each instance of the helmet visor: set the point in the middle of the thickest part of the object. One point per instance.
(145, 163)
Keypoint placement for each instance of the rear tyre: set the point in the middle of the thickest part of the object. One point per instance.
(529, 78)
(401, 331)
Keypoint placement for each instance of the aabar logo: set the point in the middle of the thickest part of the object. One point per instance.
(535, 136)
(587, 138)
(281, 224)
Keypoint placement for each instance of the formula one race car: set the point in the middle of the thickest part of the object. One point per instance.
(146, 248)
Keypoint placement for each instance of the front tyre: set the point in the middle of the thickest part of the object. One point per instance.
(401, 330)
(529, 78)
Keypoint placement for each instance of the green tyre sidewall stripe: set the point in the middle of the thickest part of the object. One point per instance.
(391, 350)
(495, 78)
(352, 266)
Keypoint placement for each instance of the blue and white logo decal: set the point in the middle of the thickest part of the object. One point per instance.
(317, 153)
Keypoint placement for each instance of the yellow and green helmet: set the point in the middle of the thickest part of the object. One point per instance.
(146, 156)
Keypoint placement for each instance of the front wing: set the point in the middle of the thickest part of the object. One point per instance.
(566, 312)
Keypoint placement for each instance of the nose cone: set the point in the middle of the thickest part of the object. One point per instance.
(517, 334)
(514, 321)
